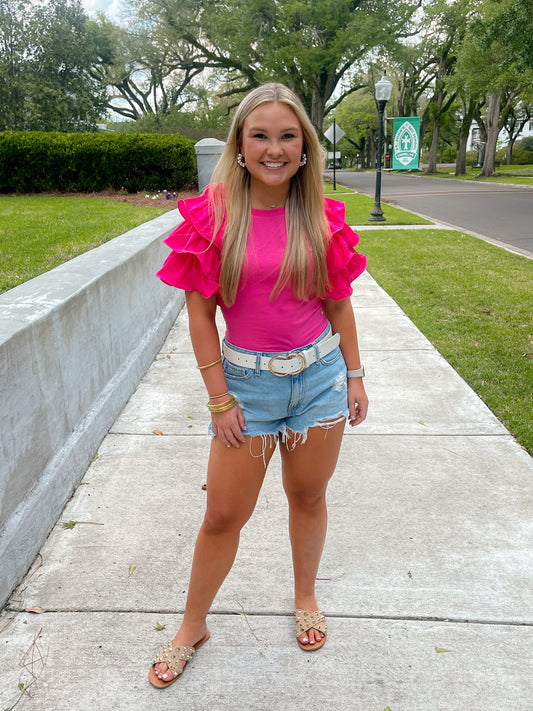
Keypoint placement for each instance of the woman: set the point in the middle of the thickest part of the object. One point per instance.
(265, 246)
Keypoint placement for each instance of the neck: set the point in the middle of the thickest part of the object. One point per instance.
(268, 200)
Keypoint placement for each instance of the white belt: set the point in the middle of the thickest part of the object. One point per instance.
(290, 364)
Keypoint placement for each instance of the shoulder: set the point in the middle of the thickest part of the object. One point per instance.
(198, 216)
(335, 214)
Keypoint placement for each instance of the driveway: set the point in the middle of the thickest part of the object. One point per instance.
(501, 213)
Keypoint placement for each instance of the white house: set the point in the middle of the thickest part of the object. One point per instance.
(503, 138)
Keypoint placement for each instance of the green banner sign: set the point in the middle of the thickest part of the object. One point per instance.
(406, 143)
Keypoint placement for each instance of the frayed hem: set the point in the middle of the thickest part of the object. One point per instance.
(271, 439)
(292, 439)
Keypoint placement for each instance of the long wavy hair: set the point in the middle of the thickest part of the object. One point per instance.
(307, 228)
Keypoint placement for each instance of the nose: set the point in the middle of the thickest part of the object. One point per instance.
(275, 148)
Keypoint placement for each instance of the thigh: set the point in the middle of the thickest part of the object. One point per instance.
(235, 477)
(308, 466)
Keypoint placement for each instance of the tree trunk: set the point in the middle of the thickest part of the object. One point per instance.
(460, 160)
(493, 130)
(317, 110)
(510, 151)
(432, 158)
(464, 132)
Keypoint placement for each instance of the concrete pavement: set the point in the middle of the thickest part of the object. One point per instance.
(426, 578)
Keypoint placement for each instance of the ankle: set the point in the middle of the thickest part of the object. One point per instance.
(190, 633)
(306, 602)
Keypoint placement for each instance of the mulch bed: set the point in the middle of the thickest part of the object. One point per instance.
(141, 199)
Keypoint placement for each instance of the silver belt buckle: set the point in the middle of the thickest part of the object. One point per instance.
(291, 356)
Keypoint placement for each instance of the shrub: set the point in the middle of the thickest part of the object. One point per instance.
(449, 154)
(35, 161)
(521, 156)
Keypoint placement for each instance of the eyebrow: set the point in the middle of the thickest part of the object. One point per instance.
(265, 130)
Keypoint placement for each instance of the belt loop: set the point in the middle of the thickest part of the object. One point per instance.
(258, 364)
(317, 352)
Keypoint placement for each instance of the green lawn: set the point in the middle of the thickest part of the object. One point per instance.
(39, 233)
(474, 302)
(359, 207)
(511, 174)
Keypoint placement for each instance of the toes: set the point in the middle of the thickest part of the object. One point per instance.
(162, 672)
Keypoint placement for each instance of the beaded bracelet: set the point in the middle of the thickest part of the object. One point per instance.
(215, 397)
(223, 406)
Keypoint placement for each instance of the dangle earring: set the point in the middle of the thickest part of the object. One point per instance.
(303, 160)
(240, 160)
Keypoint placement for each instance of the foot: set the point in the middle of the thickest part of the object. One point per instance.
(183, 638)
(311, 637)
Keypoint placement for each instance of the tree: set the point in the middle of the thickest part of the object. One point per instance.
(312, 46)
(516, 119)
(445, 30)
(46, 52)
(510, 24)
(359, 120)
(14, 32)
(486, 68)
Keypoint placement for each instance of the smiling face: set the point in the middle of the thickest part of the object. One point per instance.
(272, 145)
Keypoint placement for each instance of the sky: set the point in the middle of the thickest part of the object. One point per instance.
(112, 8)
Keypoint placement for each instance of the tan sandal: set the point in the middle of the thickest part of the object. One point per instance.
(306, 621)
(173, 656)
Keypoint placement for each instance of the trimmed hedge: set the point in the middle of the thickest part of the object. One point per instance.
(35, 161)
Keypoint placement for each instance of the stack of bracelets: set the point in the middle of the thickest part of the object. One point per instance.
(223, 406)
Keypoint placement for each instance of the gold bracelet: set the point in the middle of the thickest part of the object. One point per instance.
(215, 397)
(223, 407)
(203, 367)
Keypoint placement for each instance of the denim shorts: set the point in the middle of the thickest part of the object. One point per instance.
(289, 405)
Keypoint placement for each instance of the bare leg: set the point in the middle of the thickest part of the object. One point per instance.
(307, 470)
(234, 479)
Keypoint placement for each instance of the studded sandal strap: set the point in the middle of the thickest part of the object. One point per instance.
(307, 620)
(173, 656)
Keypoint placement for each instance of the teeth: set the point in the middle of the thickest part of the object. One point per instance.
(273, 165)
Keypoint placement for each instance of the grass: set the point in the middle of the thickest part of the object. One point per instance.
(39, 233)
(358, 208)
(474, 302)
(510, 174)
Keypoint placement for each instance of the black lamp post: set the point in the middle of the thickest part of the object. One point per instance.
(383, 93)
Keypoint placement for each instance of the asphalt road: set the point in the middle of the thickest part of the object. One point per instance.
(501, 213)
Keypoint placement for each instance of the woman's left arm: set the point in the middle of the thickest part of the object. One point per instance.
(340, 315)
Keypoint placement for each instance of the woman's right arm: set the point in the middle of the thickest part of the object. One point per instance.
(228, 426)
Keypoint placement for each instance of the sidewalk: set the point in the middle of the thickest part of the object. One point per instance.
(426, 578)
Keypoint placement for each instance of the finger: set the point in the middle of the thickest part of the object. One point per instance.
(229, 439)
(360, 415)
(242, 422)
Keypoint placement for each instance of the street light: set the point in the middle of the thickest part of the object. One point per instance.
(383, 93)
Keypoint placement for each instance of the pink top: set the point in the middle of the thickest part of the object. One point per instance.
(256, 321)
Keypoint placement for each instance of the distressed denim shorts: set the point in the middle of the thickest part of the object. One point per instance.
(284, 406)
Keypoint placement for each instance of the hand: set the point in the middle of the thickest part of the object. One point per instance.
(228, 426)
(357, 401)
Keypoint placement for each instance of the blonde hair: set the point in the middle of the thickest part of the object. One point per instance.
(307, 226)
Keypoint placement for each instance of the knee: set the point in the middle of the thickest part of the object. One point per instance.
(309, 499)
(219, 519)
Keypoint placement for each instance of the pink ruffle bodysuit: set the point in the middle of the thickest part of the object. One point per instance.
(256, 321)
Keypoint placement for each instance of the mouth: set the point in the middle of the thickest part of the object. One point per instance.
(271, 164)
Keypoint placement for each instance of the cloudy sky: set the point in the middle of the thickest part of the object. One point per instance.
(112, 8)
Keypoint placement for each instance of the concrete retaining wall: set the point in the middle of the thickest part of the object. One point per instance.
(74, 344)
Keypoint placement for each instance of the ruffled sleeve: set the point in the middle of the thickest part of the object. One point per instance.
(343, 262)
(194, 262)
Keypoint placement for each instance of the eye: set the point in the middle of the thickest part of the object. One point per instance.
(259, 135)
(288, 136)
